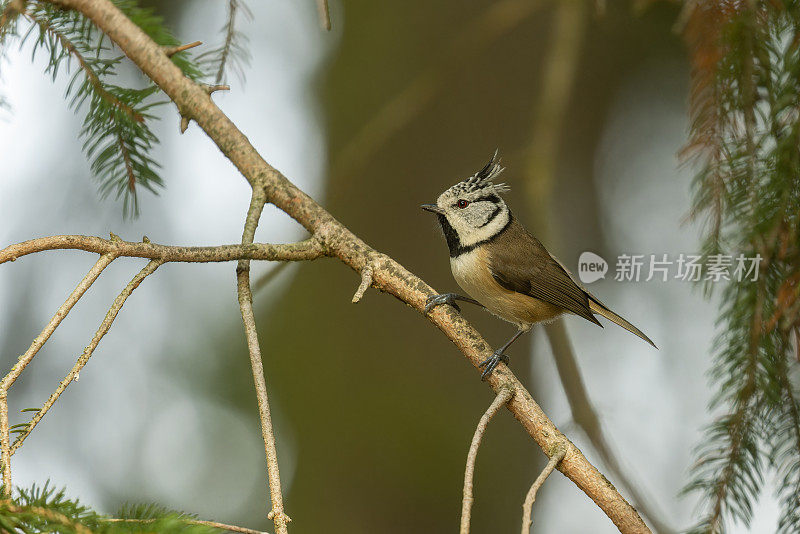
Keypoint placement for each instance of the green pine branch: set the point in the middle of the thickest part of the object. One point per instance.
(44, 509)
(116, 132)
(746, 138)
(784, 455)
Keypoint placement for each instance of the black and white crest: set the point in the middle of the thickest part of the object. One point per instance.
(483, 178)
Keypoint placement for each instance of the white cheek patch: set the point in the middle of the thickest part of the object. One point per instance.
(469, 235)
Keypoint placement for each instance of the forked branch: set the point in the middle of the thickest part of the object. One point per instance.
(61, 313)
(88, 351)
(527, 507)
(469, 474)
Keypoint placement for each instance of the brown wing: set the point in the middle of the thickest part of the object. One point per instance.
(519, 262)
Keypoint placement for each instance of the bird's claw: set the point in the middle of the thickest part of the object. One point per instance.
(437, 300)
(491, 362)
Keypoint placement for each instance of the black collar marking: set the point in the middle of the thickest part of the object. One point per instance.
(454, 243)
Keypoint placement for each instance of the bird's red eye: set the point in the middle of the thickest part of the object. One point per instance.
(462, 203)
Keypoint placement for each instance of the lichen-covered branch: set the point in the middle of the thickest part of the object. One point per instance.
(388, 276)
(245, 294)
(5, 444)
(61, 313)
(304, 250)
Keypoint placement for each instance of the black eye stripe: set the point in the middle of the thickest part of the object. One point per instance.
(489, 198)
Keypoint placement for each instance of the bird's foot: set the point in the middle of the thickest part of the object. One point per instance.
(492, 362)
(444, 298)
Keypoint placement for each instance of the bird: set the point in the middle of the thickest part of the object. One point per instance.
(503, 267)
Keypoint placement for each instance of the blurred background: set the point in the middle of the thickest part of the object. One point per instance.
(374, 408)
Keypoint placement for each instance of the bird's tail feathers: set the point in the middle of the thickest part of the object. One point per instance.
(599, 308)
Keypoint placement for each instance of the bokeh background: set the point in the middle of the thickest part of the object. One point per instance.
(374, 409)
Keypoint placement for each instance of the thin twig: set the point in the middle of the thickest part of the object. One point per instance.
(59, 316)
(172, 50)
(466, 503)
(527, 507)
(278, 516)
(324, 11)
(303, 250)
(5, 444)
(88, 351)
(215, 524)
(366, 281)
(213, 88)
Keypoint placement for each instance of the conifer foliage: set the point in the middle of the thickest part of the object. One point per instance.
(117, 121)
(745, 140)
(45, 509)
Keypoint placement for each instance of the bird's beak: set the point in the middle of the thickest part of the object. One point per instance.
(433, 208)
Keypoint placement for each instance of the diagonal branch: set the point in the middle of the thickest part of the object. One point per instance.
(324, 12)
(388, 276)
(466, 503)
(278, 516)
(172, 50)
(59, 316)
(25, 359)
(88, 351)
